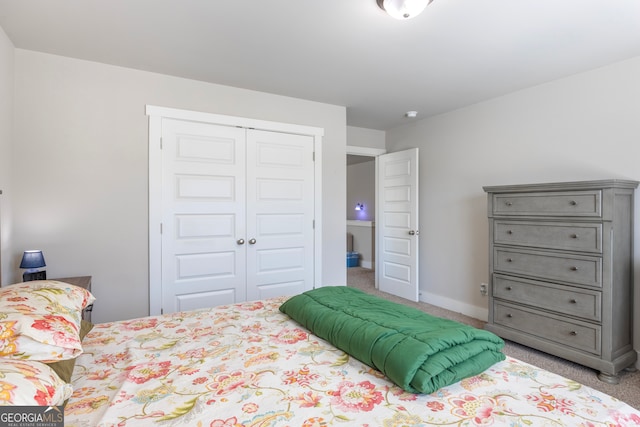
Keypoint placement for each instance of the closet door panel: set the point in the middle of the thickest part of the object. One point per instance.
(280, 206)
(203, 215)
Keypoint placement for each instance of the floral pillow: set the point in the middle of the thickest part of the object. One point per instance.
(40, 320)
(40, 295)
(43, 337)
(29, 383)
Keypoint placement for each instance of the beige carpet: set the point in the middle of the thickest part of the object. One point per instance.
(628, 390)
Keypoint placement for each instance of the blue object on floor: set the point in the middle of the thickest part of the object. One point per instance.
(353, 259)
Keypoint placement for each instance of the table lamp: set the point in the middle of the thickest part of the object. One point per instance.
(33, 261)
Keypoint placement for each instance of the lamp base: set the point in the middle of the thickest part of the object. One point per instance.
(36, 275)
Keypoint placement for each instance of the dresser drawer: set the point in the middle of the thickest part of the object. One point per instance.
(585, 237)
(576, 302)
(574, 203)
(583, 270)
(579, 335)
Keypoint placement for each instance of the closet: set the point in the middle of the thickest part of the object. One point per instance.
(237, 211)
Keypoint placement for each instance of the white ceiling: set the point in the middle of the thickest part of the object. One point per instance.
(344, 52)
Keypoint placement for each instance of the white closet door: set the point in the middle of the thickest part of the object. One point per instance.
(203, 215)
(280, 211)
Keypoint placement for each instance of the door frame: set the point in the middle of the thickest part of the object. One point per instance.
(156, 114)
(371, 152)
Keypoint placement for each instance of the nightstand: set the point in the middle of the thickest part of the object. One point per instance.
(82, 282)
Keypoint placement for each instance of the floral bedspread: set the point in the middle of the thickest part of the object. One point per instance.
(250, 365)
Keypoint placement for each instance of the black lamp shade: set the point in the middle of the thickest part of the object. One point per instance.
(32, 259)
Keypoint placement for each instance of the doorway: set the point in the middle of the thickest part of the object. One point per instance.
(361, 192)
(396, 211)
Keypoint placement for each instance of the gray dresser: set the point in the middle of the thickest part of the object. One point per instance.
(561, 270)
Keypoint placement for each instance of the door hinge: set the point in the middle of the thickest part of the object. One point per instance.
(314, 224)
(161, 143)
(313, 156)
(162, 311)
(160, 228)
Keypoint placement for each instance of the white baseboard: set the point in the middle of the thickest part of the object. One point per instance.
(479, 313)
(366, 264)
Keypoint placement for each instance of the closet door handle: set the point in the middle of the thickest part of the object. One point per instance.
(240, 241)
(252, 241)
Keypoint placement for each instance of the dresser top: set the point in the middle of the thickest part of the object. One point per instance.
(562, 186)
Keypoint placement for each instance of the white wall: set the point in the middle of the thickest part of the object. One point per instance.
(6, 127)
(363, 233)
(81, 174)
(361, 176)
(579, 128)
(363, 137)
(361, 188)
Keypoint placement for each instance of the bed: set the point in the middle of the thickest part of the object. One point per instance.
(249, 364)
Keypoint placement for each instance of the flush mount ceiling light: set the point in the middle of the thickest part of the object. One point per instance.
(403, 9)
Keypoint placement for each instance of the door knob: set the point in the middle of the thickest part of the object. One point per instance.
(240, 241)
(252, 241)
(411, 232)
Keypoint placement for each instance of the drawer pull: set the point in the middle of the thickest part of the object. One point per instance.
(509, 232)
(509, 260)
(509, 315)
(574, 268)
(508, 203)
(573, 203)
(573, 301)
(508, 288)
(573, 333)
(574, 236)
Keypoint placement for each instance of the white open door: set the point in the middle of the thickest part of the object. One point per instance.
(397, 223)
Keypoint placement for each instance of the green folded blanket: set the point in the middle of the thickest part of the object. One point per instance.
(418, 352)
